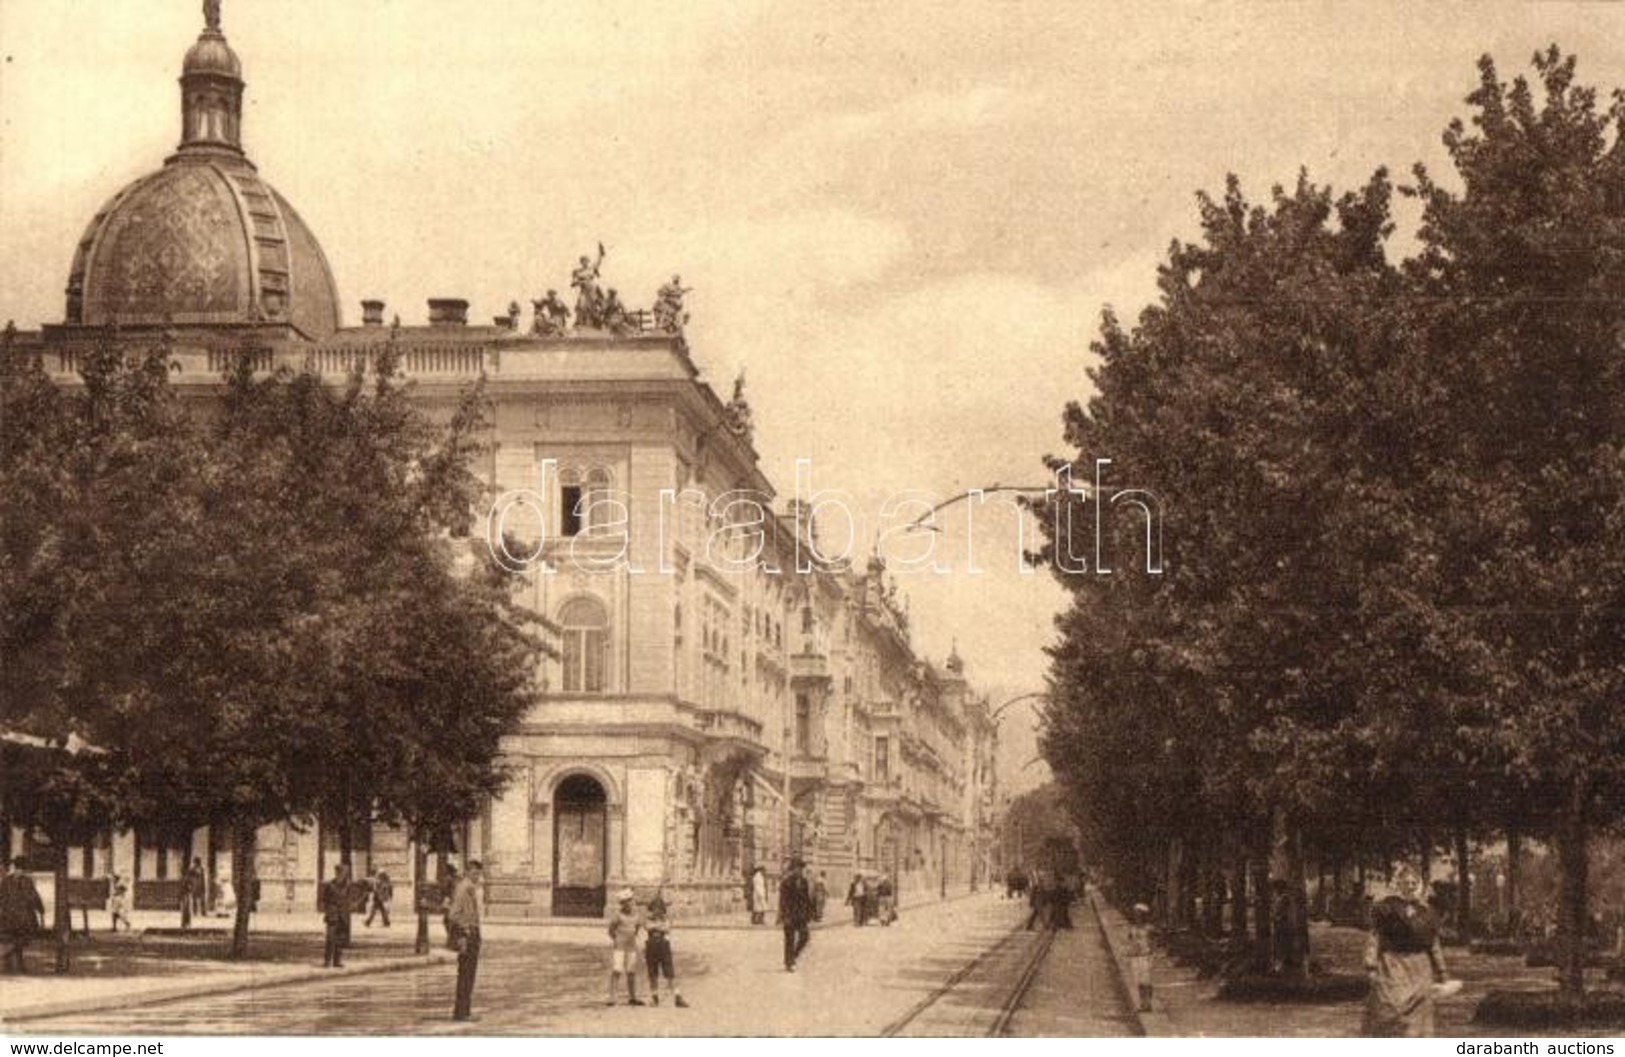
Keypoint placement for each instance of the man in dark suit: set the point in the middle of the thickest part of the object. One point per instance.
(795, 912)
(335, 904)
(463, 918)
(22, 914)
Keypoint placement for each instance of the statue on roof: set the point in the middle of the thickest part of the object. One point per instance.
(669, 314)
(552, 316)
(737, 411)
(612, 313)
(211, 14)
(589, 299)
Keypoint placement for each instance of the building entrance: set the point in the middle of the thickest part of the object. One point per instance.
(580, 847)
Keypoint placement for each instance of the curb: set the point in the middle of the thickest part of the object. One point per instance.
(1155, 1022)
(59, 1007)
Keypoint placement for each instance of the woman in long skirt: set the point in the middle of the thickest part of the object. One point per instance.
(1404, 963)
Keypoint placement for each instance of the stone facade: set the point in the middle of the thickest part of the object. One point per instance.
(705, 713)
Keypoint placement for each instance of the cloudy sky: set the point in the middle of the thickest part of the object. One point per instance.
(900, 219)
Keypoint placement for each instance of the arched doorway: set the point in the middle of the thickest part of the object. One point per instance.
(580, 847)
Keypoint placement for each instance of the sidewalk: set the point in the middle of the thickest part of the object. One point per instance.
(117, 972)
(1189, 1005)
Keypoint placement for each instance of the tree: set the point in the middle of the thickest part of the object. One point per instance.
(1522, 271)
(263, 606)
(1222, 696)
(332, 661)
(93, 479)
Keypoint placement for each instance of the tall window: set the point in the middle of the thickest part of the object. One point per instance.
(882, 760)
(581, 495)
(585, 627)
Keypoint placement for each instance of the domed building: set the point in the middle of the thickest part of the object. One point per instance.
(699, 718)
(204, 240)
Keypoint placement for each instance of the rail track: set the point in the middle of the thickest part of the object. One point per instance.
(982, 1015)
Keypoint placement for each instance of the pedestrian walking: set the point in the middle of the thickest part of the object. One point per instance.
(657, 954)
(119, 905)
(857, 896)
(1404, 963)
(382, 892)
(756, 896)
(795, 912)
(1139, 955)
(625, 931)
(463, 919)
(22, 914)
(820, 895)
(885, 901)
(335, 906)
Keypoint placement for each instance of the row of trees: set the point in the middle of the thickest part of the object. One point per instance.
(1393, 498)
(259, 604)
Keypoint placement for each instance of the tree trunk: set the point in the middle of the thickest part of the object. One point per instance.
(1573, 902)
(1189, 888)
(1238, 902)
(1514, 870)
(1263, 917)
(61, 915)
(346, 842)
(1294, 946)
(420, 871)
(1176, 868)
(1213, 907)
(1464, 885)
(244, 837)
(1426, 843)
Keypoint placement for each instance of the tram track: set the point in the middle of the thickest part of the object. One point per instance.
(1027, 964)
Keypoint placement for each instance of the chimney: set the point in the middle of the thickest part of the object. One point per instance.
(448, 312)
(372, 313)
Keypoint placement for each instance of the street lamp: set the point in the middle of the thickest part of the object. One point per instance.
(997, 712)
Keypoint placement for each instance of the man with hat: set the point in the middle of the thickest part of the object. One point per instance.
(21, 913)
(463, 919)
(795, 911)
(625, 925)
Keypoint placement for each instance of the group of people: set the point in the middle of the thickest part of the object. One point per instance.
(631, 930)
(872, 899)
(756, 901)
(337, 900)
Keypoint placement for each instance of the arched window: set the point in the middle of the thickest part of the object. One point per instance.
(585, 629)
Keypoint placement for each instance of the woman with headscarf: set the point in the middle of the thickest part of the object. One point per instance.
(1403, 961)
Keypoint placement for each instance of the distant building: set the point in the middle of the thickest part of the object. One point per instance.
(701, 717)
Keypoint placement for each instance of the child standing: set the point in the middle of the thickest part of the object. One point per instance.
(624, 928)
(119, 905)
(657, 952)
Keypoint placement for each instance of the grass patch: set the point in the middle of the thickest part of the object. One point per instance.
(1316, 989)
(1537, 1010)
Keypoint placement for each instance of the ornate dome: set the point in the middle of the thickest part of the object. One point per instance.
(211, 54)
(203, 240)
